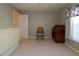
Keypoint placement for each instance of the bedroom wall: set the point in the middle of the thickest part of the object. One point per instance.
(45, 19)
(63, 16)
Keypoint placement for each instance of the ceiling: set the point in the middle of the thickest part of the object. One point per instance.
(39, 6)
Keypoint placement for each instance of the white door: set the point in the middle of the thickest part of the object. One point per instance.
(24, 26)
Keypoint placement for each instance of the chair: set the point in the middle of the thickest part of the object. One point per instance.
(40, 33)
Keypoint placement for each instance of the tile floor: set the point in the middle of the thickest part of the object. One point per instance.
(47, 47)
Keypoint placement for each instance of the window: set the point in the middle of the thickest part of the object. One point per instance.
(74, 24)
(74, 28)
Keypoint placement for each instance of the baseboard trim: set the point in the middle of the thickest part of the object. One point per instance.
(47, 37)
(72, 47)
(33, 37)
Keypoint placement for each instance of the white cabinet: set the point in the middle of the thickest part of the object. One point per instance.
(9, 40)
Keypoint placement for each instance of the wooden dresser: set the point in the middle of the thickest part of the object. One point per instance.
(58, 33)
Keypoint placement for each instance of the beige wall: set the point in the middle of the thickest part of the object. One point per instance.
(63, 16)
(45, 19)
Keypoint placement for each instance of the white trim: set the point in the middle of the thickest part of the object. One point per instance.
(72, 47)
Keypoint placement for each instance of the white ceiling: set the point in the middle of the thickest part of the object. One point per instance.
(39, 6)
